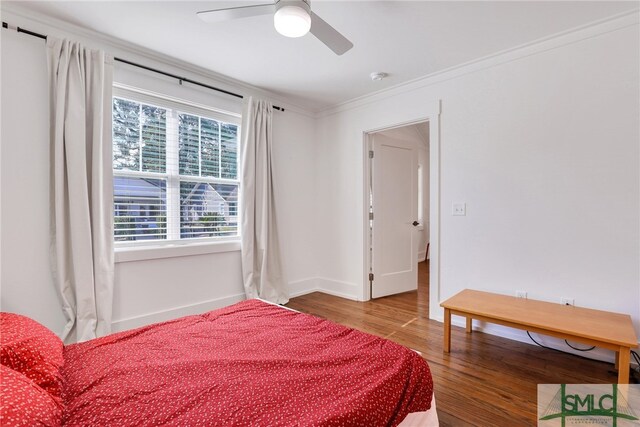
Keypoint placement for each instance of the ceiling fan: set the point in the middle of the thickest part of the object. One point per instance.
(292, 18)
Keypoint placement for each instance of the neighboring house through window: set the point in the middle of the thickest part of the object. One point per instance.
(175, 170)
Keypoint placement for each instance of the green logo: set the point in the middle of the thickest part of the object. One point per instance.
(586, 404)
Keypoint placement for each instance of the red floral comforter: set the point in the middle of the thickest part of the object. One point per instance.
(249, 364)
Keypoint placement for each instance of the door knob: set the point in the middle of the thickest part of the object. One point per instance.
(415, 223)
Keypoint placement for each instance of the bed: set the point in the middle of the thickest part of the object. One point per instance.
(248, 364)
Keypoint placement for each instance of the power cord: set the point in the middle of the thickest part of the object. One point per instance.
(635, 355)
(559, 351)
(579, 349)
(636, 371)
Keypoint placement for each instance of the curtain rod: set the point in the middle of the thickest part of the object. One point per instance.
(154, 70)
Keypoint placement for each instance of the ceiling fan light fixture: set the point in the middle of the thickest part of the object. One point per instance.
(292, 21)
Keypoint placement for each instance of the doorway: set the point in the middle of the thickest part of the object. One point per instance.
(398, 225)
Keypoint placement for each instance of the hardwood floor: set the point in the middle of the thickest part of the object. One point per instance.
(485, 380)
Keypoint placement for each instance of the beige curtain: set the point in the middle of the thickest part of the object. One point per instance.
(261, 266)
(81, 189)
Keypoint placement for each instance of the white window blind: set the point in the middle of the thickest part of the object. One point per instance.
(175, 171)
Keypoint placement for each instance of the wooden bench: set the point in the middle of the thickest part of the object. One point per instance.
(613, 331)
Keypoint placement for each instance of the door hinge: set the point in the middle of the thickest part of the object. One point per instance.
(371, 216)
(371, 154)
(371, 277)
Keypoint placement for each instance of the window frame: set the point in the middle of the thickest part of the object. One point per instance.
(177, 246)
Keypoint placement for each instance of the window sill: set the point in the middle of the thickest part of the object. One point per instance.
(144, 253)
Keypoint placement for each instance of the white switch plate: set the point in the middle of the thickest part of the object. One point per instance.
(459, 209)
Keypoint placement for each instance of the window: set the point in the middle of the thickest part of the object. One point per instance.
(175, 170)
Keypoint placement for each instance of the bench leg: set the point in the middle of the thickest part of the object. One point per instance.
(447, 330)
(469, 325)
(617, 360)
(623, 365)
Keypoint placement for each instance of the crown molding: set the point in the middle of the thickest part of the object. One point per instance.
(555, 41)
(19, 15)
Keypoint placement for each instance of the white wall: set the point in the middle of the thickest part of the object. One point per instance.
(542, 145)
(295, 182)
(146, 290)
(26, 285)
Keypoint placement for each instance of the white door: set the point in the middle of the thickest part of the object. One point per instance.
(395, 207)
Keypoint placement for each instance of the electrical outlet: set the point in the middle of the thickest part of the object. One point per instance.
(567, 301)
(521, 294)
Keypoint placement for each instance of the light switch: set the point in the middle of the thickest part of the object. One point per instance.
(459, 209)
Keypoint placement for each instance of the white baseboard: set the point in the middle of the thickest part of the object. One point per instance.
(302, 287)
(322, 284)
(296, 288)
(174, 313)
(422, 256)
(337, 288)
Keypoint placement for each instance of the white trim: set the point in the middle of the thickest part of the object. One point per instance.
(156, 99)
(306, 292)
(172, 178)
(383, 128)
(367, 179)
(16, 14)
(323, 285)
(365, 295)
(433, 117)
(338, 288)
(174, 313)
(434, 209)
(558, 40)
(173, 182)
(302, 287)
(171, 250)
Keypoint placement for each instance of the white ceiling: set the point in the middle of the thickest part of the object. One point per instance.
(406, 39)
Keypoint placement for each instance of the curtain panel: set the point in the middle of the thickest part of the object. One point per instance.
(261, 264)
(81, 186)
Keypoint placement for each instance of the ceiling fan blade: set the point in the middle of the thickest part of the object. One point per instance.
(329, 35)
(226, 14)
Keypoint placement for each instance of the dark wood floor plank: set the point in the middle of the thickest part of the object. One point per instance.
(485, 380)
